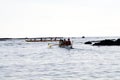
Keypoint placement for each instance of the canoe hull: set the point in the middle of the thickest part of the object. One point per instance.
(67, 47)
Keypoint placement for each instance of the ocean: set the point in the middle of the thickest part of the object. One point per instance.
(20, 60)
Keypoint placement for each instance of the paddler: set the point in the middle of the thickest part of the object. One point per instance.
(61, 42)
(68, 42)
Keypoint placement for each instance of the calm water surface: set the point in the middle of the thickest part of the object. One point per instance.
(20, 60)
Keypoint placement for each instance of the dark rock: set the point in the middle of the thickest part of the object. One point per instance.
(105, 42)
(83, 36)
(117, 42)
(108, 42)
(88, 42)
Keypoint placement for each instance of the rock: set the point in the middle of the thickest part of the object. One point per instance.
(83, 36)
(105, 42)
(88, 42)
(117, 42)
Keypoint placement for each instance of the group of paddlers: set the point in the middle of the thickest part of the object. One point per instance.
(64, 42)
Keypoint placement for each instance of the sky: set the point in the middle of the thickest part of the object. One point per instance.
(61, 18)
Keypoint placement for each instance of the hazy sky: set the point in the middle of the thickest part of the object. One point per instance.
(35, 18)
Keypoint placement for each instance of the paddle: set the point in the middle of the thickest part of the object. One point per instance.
(50, 45)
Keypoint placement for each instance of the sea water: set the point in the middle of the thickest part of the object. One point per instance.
(20, 60)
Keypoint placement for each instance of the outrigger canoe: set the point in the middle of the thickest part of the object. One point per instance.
(43, 39)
